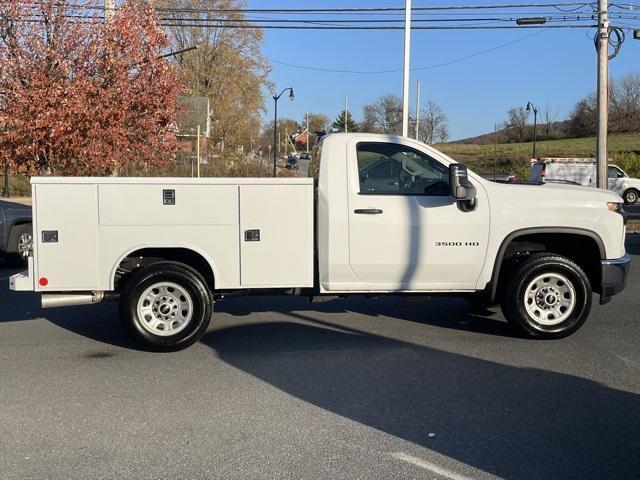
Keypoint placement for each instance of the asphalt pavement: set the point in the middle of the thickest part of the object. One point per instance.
(633, 211)
(355, 389)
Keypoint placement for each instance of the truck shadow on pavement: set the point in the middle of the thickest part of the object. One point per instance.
(507, 421)
(446, 312)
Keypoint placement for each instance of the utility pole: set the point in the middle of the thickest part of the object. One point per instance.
(198, 149)
(346, 112)
(308, 132)
(418, 111)
(109, 10)
(603, 92)
(407, 62)
(495, 152)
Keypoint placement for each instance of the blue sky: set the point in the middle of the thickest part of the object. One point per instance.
(555, 67)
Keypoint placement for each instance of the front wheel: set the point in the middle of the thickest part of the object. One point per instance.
(549, 296)
(166, 306)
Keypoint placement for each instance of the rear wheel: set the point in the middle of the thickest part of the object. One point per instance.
(166, 306)
(630, 196)
(549, 296)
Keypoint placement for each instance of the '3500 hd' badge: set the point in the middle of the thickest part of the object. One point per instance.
(457, 244)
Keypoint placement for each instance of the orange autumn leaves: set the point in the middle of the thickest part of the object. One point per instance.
(81, 97)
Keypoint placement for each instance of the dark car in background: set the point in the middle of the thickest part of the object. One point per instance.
(292, 162)
(16, 235)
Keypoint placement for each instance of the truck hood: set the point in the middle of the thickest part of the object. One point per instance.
(632, 182)
(564, 189)
(552, 194)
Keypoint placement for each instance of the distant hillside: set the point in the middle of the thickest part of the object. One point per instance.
(501, 136)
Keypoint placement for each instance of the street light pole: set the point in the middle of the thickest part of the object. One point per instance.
(275, 125)
(531, 106)
(418, 111)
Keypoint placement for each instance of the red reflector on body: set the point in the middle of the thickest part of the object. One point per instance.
(43, 281)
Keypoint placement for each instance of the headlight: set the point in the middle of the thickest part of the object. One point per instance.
(615, 207)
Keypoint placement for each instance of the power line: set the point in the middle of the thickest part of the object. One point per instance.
(377, 21)
(575, 20)
(401, 9)
(292, 12)
(329, 27)
(214, 23)
(428, 67)
(561, 6)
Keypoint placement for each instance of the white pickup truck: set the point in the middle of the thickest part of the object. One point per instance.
(583, 171)
(379, 215)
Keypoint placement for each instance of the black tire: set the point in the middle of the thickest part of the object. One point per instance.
(16, 255)
(185, 278)
(537, 266)
(630, 196)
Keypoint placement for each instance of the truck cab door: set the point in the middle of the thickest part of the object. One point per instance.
(616, 179)
(405, 231)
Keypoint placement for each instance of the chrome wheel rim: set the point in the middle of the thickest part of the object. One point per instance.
(165, 309)
(550, 299)
(25, 245)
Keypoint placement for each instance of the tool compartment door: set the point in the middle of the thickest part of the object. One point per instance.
(276, 235)
(66, 244)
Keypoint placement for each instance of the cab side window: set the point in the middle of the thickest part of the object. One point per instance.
(394, 169)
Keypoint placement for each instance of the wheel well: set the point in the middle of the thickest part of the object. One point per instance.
(22, 222)
(148, 256)
(582, 249)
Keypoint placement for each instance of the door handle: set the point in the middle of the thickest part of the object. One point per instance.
(368, 211)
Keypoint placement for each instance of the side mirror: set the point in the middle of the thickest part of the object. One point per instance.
(460, 187)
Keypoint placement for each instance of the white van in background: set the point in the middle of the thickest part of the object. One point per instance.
(584, 172)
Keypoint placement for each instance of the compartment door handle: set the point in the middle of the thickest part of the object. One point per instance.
(368, 211)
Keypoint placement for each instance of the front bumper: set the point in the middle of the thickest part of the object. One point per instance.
(614, 275)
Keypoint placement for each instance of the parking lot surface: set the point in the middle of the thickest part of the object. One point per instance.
(633, 211)
(280, 389)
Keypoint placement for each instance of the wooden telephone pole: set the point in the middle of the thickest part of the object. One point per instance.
(602, 44)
